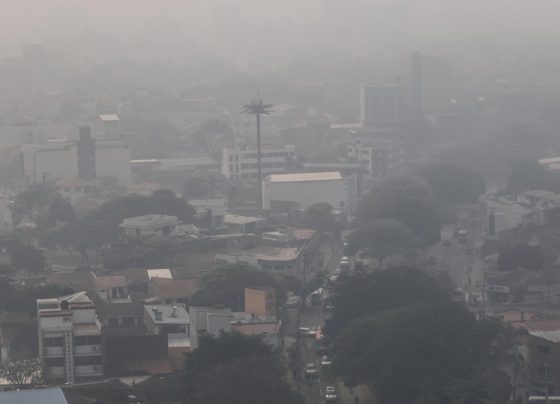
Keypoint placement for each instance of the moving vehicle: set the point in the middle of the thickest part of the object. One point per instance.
(306, 332)
(330, 394)
(344, 264)
(325, 361)
(462, 236)
(311, 371)
(316, 297)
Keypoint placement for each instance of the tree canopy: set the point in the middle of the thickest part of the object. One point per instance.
(382, 238)
(225, 285)
(418, 352)
(368, 293)
(22, 255)
(237, 369)
(521, 255)
(453, 184)
(408, 199)
(101, 226)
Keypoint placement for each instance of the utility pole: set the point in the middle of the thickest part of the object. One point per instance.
(258, 107)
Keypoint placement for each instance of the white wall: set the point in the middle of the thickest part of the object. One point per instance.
(83, 316)
(306, 193)
(54, 161)
(113, 160)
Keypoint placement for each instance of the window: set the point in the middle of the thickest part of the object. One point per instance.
(49, 362)
(114, 322)
(128, 321)
(87, 340)
(53, 341)
(87, 360)
(66, 319)
(543, 349)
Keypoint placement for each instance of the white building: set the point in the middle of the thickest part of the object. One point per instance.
(380, 158)
(208, 320)
(381, 105)
(240, 162)
(306, 189)
(173, 321)
(149, 225)
(58, 159)
(69, 339)
(210, 212)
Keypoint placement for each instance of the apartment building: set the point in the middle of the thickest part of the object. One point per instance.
(240, 162)
(69, 339)
(381, 157)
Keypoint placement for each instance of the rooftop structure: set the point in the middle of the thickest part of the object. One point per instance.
(304, 177)
(159, 273)
(149, 225)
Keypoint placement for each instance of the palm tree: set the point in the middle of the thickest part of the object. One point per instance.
(258, 108)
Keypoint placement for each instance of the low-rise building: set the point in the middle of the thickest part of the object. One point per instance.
(267, 258)
(210, 321)
(69, 339)
(306, 189)
(171, 320)
(210, 212)
(238, 224)
(149, 225)
(172, 291)
(260, 301)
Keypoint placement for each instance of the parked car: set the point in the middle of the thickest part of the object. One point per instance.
(330, 394)
(325, 361)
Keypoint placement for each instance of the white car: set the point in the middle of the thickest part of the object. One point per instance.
(325, 361)
(330, 394)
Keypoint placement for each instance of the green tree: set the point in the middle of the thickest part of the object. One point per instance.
(319, 216)
(33, 201)
(521, 255)
(363, 294)
(61, 210)
(22, 372)
(381, 239)
(408, 199)
(137, 253)
(416, 352)
(225, 286)
(453, 184)
(525, 174)
(233, 368)
(22, 255)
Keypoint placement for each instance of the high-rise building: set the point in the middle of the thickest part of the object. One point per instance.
(69, 336)
(240, 162)
(86, 154)
(431, 84)
(381, 105)
(381, 158)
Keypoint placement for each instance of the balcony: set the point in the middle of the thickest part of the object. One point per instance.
(53, 351)
(55, 372)
(87, 349)
(88, 370)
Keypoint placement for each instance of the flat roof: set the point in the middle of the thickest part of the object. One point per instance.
(109, 117)
(239, 219)
(159, 273)
(552, 336)
(45, 396)
(305, 177)
(181, 315)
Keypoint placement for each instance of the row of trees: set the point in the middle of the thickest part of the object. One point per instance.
(398, 331)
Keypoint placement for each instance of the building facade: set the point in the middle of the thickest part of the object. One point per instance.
(149, 225)
(69, 339)
(381, 105)
(240, 161)
(380, 158)
(306, 189)
(85, 158)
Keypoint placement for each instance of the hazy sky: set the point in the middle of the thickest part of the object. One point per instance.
(25, 21)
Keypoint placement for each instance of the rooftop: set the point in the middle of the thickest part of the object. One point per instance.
(169, 314)
(230, 218)
(43, 396)
(164, 288)
(257, 328)
(552, 336)
(305, 177)
(159, 273)
(109, 117)
(110, 281)
(149, 220)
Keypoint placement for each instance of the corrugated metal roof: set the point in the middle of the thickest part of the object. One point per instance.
(305, 177)
(43, 396)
